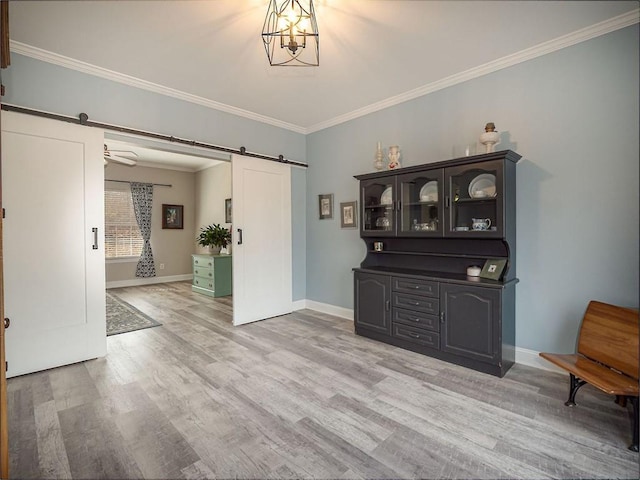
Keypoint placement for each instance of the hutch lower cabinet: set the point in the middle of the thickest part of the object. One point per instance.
(212, 275)
(423, 227)
(465, 324)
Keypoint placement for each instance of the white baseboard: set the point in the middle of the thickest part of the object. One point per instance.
(148, 281)
(341, 312)
(524, 356)
(299, 304)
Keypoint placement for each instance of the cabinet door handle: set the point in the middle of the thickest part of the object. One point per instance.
(446, 202)
(399, 204)
(417, 320)
(239, 236)
(387, 305)
(95, 238)
(414, 335)
(415, 304)
(441, 317)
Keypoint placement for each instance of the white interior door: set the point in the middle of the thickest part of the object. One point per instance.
(261, 193)
(53, 194)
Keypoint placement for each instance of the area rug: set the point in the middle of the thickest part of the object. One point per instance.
(123, 317)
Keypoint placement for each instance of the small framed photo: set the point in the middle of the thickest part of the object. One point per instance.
(348, 215)
(227, 210)
(172, 216)
(325, 205)
(493, 268)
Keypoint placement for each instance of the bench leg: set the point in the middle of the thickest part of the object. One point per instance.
(634, 443)
(574, 384)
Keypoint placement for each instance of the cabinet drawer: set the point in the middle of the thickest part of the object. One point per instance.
(415, 287)
(417, 319)
(203, 272)
(415, 303)
(205, 262)
(203, 282)
(416, 335)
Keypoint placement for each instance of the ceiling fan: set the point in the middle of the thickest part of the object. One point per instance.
(119, 156)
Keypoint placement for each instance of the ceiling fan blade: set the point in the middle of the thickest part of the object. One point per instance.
(124, 153)
(119, 159)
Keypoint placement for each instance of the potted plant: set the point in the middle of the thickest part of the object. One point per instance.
(215, 237)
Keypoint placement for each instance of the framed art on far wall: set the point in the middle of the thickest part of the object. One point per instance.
(348, 215)
(325, 205)
(172, 216)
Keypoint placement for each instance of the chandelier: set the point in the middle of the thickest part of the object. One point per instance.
(290, 34)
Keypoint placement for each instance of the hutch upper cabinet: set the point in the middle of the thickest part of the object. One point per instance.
(433, 221)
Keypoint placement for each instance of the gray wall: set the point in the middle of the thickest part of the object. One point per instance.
(40, 85)
(213, 186)
(172, 248)
(573, 116)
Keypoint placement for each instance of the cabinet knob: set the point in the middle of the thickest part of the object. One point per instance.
(415, 304)
(414, 335)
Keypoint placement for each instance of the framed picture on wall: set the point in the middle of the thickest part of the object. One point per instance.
(227, 210)
(172, 217)
(325, 205)
(348, 215)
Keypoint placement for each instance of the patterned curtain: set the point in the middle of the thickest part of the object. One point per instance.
(142, 196)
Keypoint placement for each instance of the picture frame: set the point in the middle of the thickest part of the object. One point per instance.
(348, 214)
(325, 206)
(172, 217)
(227, 210)
(493, 268)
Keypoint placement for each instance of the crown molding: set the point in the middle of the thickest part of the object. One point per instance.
(616, 23)
(61, 60)
(582, 35)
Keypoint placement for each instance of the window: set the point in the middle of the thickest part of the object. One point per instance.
(122, 234)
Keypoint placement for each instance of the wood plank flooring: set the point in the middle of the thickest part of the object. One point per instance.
(298, 396)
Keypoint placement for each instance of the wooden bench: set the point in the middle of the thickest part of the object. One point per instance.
(607, 356)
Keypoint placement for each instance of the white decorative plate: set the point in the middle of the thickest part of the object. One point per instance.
(429, 192)
(387, 196)
(483, 186)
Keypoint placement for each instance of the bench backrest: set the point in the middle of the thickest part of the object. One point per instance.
(609, 335)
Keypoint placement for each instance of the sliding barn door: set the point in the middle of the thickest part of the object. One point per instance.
(53, 194)
(261, 239)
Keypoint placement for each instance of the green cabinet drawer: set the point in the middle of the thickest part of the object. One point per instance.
(212, 275)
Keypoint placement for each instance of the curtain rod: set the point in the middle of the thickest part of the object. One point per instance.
(83, 119)
(126, 181)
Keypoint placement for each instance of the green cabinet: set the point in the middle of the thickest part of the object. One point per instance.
(212, 275)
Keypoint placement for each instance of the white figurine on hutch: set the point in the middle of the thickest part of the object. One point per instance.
(394, 157)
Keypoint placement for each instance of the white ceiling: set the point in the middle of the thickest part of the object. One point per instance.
(159, 155)
(372, 53)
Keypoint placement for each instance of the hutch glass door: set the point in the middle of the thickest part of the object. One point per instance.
(420, 203)
(474, 199)
(378, 201)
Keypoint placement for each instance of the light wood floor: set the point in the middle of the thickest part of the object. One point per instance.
(298, 396)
